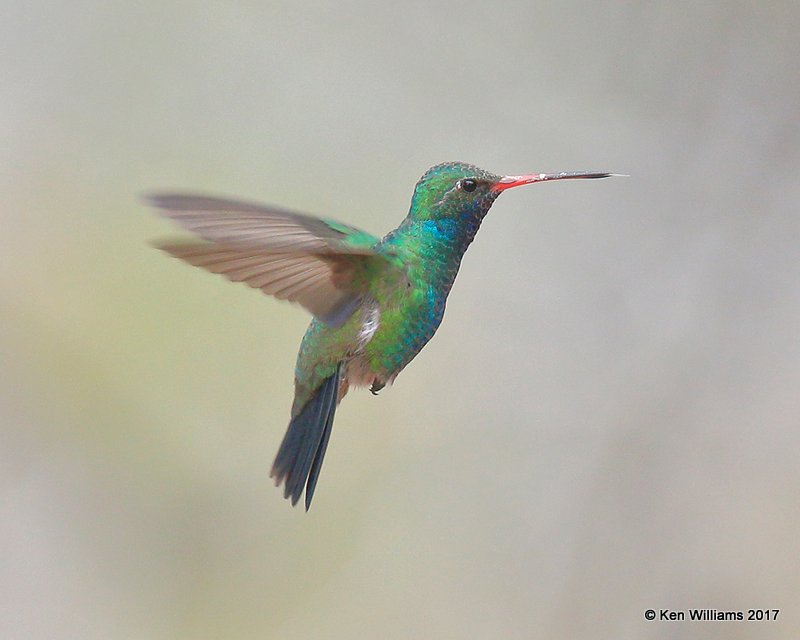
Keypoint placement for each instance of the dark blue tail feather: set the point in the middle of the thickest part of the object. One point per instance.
(320, 454)
(300, 455)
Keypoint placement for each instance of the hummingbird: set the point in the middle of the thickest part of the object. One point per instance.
(375, 302)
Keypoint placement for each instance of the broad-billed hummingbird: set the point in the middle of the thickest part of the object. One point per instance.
(375, 302)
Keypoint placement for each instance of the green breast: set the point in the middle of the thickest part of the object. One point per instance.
(410, 315)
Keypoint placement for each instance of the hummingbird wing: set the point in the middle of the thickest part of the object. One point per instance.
(236, 222)
(320, 264)
(316, 283)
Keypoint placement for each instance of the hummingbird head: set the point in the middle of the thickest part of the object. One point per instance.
(459, 190)
(451, 189)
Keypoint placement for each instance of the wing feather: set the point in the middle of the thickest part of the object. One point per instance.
(306, 279)
(319, 264)
(236, 222)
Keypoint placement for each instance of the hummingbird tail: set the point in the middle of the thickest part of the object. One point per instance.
(300, 455)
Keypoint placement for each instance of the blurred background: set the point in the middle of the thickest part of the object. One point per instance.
(606, 422)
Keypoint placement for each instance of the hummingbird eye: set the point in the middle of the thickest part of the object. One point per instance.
(468, 184)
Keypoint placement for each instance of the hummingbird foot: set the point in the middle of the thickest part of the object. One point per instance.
(377, 385)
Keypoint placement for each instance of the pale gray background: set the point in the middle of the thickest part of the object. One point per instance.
(606, 422)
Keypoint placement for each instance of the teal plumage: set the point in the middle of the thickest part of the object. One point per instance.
(375, 302)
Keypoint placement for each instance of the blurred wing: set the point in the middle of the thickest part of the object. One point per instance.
(320, 264)
(232, 222)
(319, 284)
